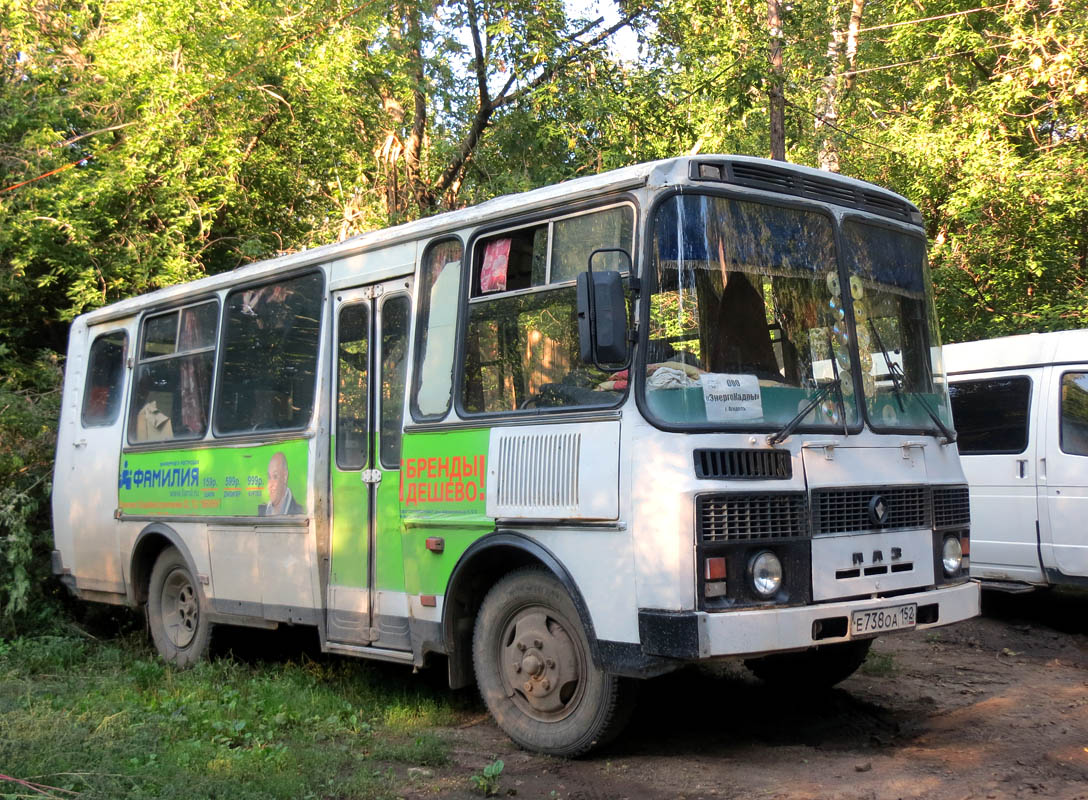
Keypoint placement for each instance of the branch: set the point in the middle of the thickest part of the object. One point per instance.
(478, 54)
(488, 107)
(75, 139)
(549, 71)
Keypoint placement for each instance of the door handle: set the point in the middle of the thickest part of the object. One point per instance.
(80, 443)
(1042, 468)
(1021, 467)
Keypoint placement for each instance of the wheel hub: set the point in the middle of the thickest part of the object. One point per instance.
(543, 665)
(180, 608)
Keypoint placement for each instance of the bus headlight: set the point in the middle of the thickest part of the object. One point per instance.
(951, 555)
(765, 573)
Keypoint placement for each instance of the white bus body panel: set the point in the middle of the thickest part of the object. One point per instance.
(85, 474)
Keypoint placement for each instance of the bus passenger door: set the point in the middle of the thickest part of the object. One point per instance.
(366, 600)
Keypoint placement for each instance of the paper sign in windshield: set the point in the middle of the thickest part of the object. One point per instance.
(731, 398)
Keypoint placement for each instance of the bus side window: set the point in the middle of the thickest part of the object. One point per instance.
(521, 343)
(105, 370)
(173, 378)
(268, 372)
(436, 328)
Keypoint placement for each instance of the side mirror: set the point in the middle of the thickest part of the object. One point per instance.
(602, 313)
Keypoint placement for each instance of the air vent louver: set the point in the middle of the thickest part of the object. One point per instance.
(743, 464)
(774, 179)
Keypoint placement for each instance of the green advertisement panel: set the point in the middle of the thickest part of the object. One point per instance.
(443, 493)
(259, 481)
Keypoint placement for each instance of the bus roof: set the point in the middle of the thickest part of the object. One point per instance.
(653, 173)
(1010, 352)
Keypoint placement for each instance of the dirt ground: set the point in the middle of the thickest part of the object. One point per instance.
(996, 707)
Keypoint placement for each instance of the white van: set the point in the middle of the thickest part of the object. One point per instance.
(1020, 405)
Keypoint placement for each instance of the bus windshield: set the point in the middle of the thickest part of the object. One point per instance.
(898, 343)
(747, 323)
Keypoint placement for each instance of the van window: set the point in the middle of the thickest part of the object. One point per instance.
(269, 365)
(1074, 413)
(174, 374)
(105, 371)
(991, 415)
(521, 343)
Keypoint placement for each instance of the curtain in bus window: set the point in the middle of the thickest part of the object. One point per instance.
(496, 261)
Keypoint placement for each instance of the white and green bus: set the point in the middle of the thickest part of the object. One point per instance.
(591, 433)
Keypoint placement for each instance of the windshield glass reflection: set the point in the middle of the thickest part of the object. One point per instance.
(898, 342)
(746, 316)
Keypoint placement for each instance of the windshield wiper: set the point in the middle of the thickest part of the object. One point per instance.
(831, 386)
(899, 382)
(821, 393)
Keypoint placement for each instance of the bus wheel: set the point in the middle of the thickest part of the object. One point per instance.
(816, 668)
(179, 623)
(535, 671)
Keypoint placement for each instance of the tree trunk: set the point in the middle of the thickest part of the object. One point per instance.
(424, 199)
(777, 93)
(827, 111)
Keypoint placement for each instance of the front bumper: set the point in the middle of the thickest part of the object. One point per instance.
(698, 634)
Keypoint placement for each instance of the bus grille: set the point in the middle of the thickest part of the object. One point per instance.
(746, 517)
(742, 463)
(848, 510)
(951, 507)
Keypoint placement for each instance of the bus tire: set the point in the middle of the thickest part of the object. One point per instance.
(536, 673)
(818, 667)
(176, 613)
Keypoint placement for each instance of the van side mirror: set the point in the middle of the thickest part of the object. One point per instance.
(602, 313)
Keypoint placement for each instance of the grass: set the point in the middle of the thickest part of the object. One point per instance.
(879, 664)
(108, 719)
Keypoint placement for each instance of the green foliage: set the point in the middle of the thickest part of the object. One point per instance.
(109, 719)
(879, 665)
(486, 782)
(29, 406)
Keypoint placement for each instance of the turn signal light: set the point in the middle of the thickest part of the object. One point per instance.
(715, 569)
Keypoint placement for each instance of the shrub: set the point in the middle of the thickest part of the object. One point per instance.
(29, 408)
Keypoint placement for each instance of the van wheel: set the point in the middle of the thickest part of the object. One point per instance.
(175, 611)
(536, 673)
(818, 667)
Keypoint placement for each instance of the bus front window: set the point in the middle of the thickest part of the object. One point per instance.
(747, 321)
(898, 342)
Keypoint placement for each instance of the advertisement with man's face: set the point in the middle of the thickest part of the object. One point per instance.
(261, 481)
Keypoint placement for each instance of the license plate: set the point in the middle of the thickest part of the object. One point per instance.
(879, 620)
